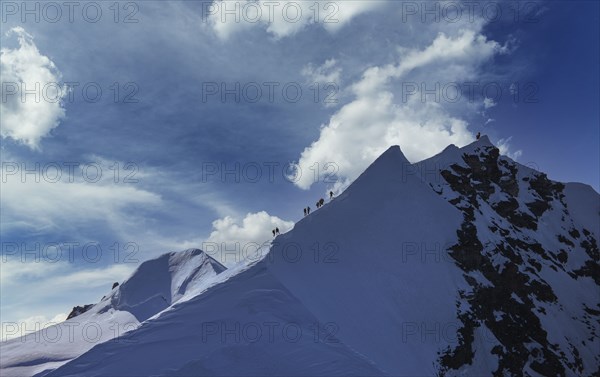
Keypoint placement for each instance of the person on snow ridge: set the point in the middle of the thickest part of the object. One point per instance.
(330, 195)
(304, 211)
(273, 232)
(478, 135)
(321, 202)
(277, 231)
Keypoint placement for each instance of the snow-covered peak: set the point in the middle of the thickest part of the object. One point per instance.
(387, 167)
(477, 146)
(383, 179)
(453, 154)
(156, 285)
(161, 282)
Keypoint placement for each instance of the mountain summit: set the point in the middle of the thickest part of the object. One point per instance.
(466, 263)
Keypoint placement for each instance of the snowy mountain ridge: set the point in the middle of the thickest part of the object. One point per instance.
(528, 248)
(155, 286)
(466, 263)
(164, 281)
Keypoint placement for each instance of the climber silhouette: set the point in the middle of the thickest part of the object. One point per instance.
(330, 195)
(304, 211)
(478, 135)
(308, 210)
(276, 230)
(321, 202)
(273, 232)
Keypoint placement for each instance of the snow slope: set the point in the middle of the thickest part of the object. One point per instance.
(153, 287)
(349, 280)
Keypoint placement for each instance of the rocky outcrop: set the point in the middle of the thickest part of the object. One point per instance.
(508, 271)
(78, 310)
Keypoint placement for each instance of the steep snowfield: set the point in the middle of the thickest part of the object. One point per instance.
(584, 205)
(153, 287)
(389, 285)
(349, 281)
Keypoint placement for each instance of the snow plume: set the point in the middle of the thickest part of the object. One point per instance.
(378, 117)
(233, 241)
(505, 149)
(31, 96)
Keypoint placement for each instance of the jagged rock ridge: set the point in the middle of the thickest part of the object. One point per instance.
(516, 245)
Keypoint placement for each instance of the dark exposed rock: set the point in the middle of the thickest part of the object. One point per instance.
(516, 288)
(589, 269)
(562, 256)
(538, 207)
(78, 310)
(591, 248)
(509, 210)
(463, 353)
(565, 240)
(546, 189)
(574, 233)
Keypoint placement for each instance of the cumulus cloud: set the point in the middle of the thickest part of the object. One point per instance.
(377, 117)
(233, 241)
(25, 118)
(283, 18)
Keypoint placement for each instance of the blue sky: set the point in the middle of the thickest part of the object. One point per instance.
(169, 132)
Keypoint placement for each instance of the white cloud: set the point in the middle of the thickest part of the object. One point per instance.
(127, 203)
(283, 18)
(505, 149)
(17, 270)
(362, 129)
(233, 241)
(488, 103)
(328, 78)
(328, 72)
(26, 118)
(55, 205)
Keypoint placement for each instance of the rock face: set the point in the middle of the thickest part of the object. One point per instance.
(77, 310)
(525, 257)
